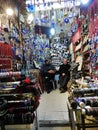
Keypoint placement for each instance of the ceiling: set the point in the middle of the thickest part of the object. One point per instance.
(49, 12)
(54, 12)
(55, 4)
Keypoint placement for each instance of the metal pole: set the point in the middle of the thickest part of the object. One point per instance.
(36, 121)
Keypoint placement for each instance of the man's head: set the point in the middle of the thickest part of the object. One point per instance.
(65, 61)
(47, 61)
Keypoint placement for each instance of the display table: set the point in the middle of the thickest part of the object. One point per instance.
(83, 106)
(18, 102)
(78, 120)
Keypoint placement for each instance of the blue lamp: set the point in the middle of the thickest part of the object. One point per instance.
(30, 8)
(66, 20)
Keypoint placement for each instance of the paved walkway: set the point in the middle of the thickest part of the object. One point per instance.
(53, 108)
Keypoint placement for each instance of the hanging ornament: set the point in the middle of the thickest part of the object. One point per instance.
(44, 4)
(73, 30)
(48, 3)
(97, 52)
(53, 17)
(46, 16)
(37, 21)
(82, 17)
(42, 16)
(38, 5)
(96, 39)
(59, 20)
(75, 26)
(30, 8)
(66, 20)
(40, 32)
(51, 3)
(61, 24)
(70, 15)
(53, 24)
(75, 14)
(24, 31)
(69, 33)
(13, 50)
(65, 14)
(43, 20)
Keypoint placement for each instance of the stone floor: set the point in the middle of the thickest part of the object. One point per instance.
(53, 108)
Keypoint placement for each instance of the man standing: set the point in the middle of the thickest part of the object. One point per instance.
(64, 72)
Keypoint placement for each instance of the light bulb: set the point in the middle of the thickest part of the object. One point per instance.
(52, 31)
(9, 11)
(84, 1)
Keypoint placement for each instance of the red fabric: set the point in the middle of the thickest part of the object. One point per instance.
(96, 67)
(6, 50)
(96, 23)
(5, 63)
(27, 80)
(91, 28)
(5, 55)
(95, 6)
(93, 25)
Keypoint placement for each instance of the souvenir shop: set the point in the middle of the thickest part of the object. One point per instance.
(32, 30)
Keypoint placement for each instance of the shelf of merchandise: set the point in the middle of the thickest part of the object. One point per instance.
(82, 48)
(20, 99)
(80, 116)
(77, 49)
(86, 63)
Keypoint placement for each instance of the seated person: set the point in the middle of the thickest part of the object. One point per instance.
(48, 75)
(64, 72)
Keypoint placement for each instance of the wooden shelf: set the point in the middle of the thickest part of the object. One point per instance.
(86, 61)
(84, 48)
